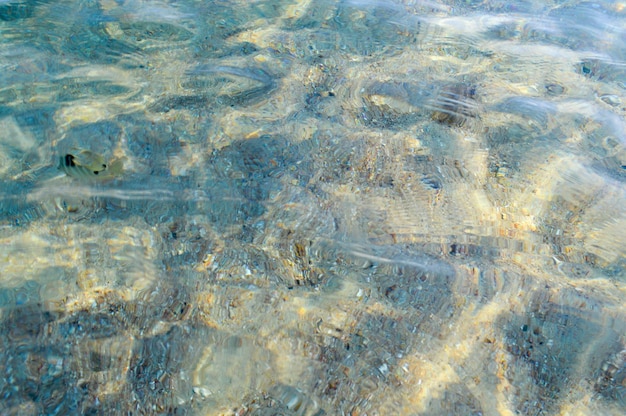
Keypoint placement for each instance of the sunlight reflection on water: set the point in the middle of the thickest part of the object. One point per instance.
(305, 208)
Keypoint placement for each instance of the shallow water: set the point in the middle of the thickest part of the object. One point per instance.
(326, 207)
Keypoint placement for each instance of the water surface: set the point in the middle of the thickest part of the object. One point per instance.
(312, 207)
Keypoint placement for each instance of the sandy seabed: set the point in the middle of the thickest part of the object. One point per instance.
(335, 207)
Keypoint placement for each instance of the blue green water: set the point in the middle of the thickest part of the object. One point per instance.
(312, 207)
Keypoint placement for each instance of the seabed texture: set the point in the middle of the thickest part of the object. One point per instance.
(312, 207)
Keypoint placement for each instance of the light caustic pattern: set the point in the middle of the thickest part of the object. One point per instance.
(312, 207)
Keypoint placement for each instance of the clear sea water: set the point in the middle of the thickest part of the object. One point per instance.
(333, 207)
